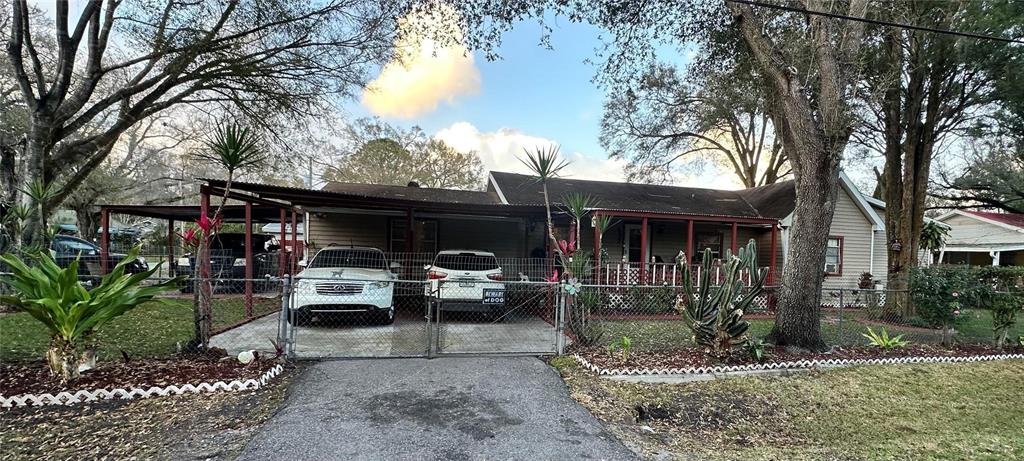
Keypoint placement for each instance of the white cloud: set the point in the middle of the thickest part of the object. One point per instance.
(425, 72)
(501, 150)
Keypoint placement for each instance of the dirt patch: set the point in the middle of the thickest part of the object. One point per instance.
(694, 357)
(200, 426)
(35, 378)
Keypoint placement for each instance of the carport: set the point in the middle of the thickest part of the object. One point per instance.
(249, 213)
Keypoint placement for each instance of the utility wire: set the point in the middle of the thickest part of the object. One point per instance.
(877, 22)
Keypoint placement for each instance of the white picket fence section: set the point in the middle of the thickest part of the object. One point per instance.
(800, 364)
(71, 398)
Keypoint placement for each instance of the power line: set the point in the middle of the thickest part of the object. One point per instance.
(877, 22)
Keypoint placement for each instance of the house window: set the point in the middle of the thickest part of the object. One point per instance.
(426, 231)
(707, 241)
(834, 256)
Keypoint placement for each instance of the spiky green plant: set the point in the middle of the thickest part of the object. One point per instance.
(883, 340)
(546, 164)
(576, 204)
(57, 299)
(715, 314)
(933, 237)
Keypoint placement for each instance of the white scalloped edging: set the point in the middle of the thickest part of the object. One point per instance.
(800, 364)
(70, 398)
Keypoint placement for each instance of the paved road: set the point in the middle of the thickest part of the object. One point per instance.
(440, 409)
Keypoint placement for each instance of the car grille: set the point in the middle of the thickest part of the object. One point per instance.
(339, 288)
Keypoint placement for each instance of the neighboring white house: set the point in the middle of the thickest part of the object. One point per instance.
(984, 238)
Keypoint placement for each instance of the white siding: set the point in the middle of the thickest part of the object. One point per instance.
(968, 231)
(347, 229)
(850, 223)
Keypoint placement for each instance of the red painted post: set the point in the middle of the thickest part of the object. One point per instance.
(772, 256)
(204, 259)
(689, 242)
(643, 251)
(735, 227)
(104, 241)
(248, 260)
(170, 249)
(280, 257)
(295, 241)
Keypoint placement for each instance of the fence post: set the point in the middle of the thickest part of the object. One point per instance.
(839, 324)
(560, 320)
(288, 328)
(430, 317)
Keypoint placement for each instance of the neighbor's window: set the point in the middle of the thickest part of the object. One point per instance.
(834, 256)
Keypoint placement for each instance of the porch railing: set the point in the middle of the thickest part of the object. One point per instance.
(633, 273)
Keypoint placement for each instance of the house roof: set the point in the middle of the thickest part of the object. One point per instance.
(518, 189)
(420, 194)
(774, 200)
(1013, 219)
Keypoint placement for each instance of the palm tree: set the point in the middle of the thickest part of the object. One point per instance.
(56, 298)
(545, 163)
(576, 205)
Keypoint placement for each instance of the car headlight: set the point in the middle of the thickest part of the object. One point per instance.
(239, 262)
(380, 284)
(184, 262)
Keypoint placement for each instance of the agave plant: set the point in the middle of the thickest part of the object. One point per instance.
(56, 298)
(715, 314)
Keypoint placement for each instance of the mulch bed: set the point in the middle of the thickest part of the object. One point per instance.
(694, 357)
(35, 378)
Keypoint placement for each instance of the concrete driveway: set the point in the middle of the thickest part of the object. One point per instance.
(452, 408)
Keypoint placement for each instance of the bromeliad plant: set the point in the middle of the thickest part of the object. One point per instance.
(56, 298)
(715, 315)
(883, 341)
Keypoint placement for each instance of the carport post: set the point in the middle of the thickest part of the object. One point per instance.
(170, 248)
(295, 241)
(248, 260)
(597, 252)
(280, 255)
(104, 240)
(643, 251)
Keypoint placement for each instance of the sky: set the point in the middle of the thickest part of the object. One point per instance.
(532, 96)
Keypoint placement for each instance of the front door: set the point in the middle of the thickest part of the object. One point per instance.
(631, 244)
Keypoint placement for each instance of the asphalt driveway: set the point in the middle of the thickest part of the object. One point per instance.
(441, 409)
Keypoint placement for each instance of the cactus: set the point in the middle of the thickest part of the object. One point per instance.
(715, 314)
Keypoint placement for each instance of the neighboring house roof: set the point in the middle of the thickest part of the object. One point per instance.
(1013, 219)
(413, 193)
(880, 205)
(518, 189)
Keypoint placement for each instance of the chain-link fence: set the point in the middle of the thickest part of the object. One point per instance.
(601, 314)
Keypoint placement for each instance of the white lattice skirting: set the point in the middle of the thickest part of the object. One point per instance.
(800, 364)
(70, 398)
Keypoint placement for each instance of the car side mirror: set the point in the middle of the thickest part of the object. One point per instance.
(303, 263)
(426, 267)
(394, 265)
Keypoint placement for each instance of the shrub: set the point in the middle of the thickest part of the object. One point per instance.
(56, 298)
(756, 349)
(1004, 315)
(716, 316)
(937, 300)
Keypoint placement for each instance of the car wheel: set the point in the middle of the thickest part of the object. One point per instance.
(387, 317)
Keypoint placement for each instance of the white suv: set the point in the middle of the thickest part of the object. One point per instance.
(354, 280)
(467, 281)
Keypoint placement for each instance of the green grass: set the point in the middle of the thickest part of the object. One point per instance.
(151, 330)
(918, 412)
(652, 335)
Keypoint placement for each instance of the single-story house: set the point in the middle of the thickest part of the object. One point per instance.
(652, 224)
(983, 238)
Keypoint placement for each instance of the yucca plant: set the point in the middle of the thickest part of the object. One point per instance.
(56, 298)
(576, 204)
(715, 314)
(545, 163)
(883, 340)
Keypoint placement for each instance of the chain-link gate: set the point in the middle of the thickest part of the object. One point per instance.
(330, 317)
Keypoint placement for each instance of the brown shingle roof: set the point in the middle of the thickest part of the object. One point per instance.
(420, 194)
(521, 189)
(774, 200)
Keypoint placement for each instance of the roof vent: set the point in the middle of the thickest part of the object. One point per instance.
(413, 184)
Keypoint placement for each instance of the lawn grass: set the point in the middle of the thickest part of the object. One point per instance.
(914, 412)
(653, 335)
(151, 330)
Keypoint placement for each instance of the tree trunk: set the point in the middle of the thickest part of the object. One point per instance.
(798, 321)
(88, 222)
(63, 360)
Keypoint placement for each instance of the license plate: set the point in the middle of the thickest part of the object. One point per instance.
(494, 296)
(467, 284)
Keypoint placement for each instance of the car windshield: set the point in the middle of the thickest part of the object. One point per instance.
(466, 262)
(362, 259)
(68, 245)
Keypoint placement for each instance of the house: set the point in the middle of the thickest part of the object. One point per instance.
(652, 224)
(983, 238)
